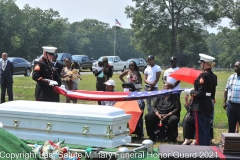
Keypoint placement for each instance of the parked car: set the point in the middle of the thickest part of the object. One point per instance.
(62, 56)
(115, 61)
(33, 62)
(21, 66)
(141, 63)
(93, 60)
(84, 61)
(60, 59)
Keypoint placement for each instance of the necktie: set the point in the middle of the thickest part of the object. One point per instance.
(4, 65)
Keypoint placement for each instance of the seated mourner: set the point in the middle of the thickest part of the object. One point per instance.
(110, 84)
(166, 109)
(188, 123)
(129, 86)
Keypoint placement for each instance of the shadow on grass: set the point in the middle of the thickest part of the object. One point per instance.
(218, 130)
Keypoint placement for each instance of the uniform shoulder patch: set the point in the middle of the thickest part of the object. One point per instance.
(201, 80)
(37, 68)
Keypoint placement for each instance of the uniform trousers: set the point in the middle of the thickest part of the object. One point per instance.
(233, 112)
(202, 128)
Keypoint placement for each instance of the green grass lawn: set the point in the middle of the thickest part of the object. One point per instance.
(24, 87)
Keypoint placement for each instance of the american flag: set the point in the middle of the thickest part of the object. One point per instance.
(118, 22)
(111, 96)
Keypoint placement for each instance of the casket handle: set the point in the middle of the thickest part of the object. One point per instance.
(120, 129)
(109, 134)
(15, 123)
(127, 128)
(49, 127)
(85, 130)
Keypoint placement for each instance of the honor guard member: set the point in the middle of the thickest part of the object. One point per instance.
(202, 105)
(45, 76)
(58, 68)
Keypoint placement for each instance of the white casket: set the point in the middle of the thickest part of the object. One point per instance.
(81, 124)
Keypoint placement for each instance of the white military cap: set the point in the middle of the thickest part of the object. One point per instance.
(206, 58)
(49, 49)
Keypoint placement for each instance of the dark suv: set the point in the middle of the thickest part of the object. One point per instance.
(21, 66)
(84, 61)
(62, 56)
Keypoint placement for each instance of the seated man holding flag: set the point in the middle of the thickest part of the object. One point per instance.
(166, 109)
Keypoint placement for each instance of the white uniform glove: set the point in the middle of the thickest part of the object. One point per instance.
(188, 91)
(52, 82)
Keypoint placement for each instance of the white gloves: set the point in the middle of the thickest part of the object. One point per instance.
(52, 82)
(187, 91)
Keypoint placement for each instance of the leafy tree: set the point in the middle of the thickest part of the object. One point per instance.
(96, 39)
(9, 26)
(90, 37)
(231, 10)
(124, 49)
(40, 28)
(228, 46)
(160, 24)
(24, 32)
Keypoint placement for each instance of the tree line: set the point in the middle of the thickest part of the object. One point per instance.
(159, 27)
(178, 27)
(25, 31)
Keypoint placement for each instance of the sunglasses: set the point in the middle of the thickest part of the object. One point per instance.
(236, 66)
(132, 65)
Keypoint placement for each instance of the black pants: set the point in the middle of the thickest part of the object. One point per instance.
(188, 126)
(100, 87)
(56, 97)
(233, 113)
(151, 120)
(5, 86)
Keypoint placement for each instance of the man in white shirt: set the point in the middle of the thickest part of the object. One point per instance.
(151, 76)
(168, 80)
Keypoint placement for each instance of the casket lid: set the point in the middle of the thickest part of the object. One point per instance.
(62, 110)
(231, 136)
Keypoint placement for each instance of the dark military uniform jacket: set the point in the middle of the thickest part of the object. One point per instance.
(44, 70)
(203, 87)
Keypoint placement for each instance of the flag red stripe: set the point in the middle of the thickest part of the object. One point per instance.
(109, 96)
(118, 22)
(92, 95)
(196, 127)
(101, 92)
